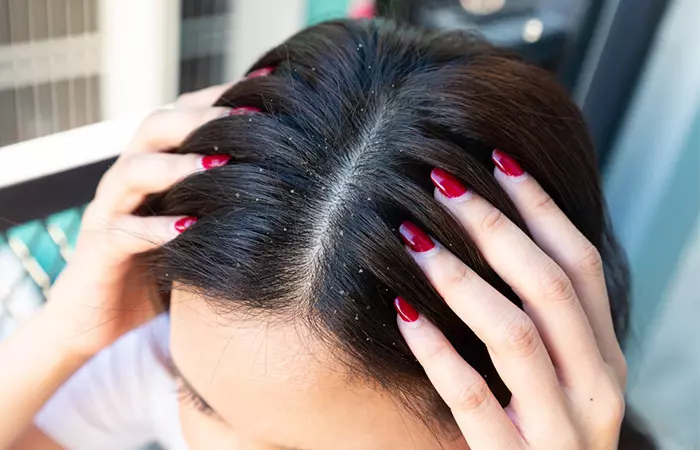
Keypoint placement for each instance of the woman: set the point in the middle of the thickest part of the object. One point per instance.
(350, 265)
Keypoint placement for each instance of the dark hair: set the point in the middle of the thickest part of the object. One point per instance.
(356, 114)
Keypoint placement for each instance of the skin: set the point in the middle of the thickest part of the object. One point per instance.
(273, 386)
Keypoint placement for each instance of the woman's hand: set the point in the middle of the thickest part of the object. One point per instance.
(102, 294)
(559, 358)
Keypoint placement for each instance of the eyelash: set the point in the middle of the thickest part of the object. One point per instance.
(185, 393)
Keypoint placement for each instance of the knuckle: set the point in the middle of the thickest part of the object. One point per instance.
(92, 216)
(437, 351)
(556, 286)
(610, 409)
(590, 261)
(494, 221)
(458, 276)
(102, 186)
(173, 164)
(153, 117)
(470, 396)
(542, 202)
(166, 120)
(115, 175)
(520, 336)
(127, 169)
(184, 99)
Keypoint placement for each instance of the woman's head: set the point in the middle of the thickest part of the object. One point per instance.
(282, 309)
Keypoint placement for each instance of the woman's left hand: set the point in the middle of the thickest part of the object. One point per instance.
(559, 357)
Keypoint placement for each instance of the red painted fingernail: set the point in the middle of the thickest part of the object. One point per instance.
(506, 164)
(261, 72)
(447, 183)
(184, 223)
(212, 161)
(415, 238)
(244, 110)
(406, 311)
(363, 11)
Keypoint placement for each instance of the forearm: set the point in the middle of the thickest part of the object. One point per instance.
(35, 360)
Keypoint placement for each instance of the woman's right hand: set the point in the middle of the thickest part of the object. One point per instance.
(102, 294)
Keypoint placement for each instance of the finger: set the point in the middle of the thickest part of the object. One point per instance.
(516, 348)
(134, 176)
(204, 97)
(165, 129)
(547, 294)
(130, 235)
(477, 412)
(568, 247)
(210, 95)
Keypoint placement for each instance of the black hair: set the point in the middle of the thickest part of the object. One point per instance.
(303, 221)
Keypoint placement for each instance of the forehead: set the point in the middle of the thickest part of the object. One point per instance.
(275, 382)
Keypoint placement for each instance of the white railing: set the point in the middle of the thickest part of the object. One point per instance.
(63, 151)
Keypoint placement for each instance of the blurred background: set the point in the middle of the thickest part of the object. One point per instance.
(77, 76)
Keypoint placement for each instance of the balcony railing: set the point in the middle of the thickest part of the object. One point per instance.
(44, 184)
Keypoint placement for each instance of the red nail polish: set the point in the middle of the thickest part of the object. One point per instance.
(261, 72)
(447, 183)
(506, 164)
(244, 110)
(184, 223)
(212, 161)
(406, 311)
(415, 238)
(363, 11)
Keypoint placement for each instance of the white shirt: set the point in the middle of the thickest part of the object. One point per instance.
(121, 399)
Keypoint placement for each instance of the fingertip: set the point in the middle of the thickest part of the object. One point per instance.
(449, 202)
(184, 223)
(405, 310)
(207, 162)
(506, 168)
(219, 112)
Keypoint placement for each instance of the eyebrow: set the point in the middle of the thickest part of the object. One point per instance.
(175, 371)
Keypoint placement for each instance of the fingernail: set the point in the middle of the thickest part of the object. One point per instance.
(212, 161)
(243, 110)
(506, 164)
(447, 184)
(415, 238)
(261, 72)
(184, 223)
(363, 11)
(405, 311)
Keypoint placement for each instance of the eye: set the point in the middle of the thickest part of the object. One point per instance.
(186, 394)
